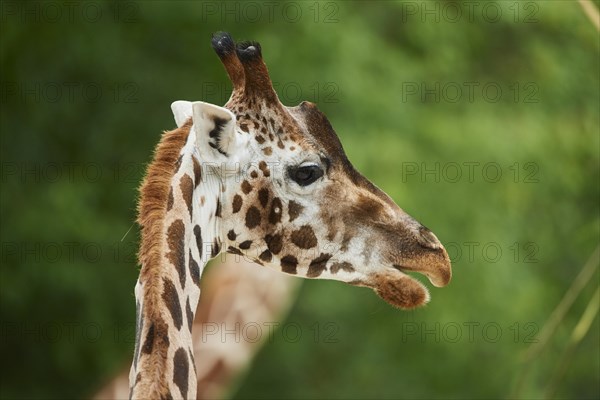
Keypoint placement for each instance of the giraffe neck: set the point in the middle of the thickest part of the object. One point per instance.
(179, 215)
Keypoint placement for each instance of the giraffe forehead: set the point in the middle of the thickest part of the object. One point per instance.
(273, 128)
(292, 135)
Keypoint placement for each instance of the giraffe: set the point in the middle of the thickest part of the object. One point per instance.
(235, 295)
(272, 184)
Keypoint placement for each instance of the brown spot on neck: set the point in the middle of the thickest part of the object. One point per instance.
(263, 197)
(197, 172)
(246, 187)
(187, 190)
(231, 235)
(176, 255)
(189, 315)
(264, 168)
(318, 265)
(171, 299)
(294, 210)
(276, 211)
(194, 270)
(216, 248)
(344, 266)
(198, 236)
(289, 264)
(245, 245)
(236, 205)
(181, 368)
(267, 151)
(266, 256)
(304, 237)
(233, 250)
(252, 217)
(274, 243)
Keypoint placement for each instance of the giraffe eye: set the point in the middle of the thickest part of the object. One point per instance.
(306, 174)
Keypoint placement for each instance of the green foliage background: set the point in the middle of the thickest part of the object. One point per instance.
(355, 60)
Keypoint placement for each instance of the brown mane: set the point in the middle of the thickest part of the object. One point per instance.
(154, 197)
(154, 193)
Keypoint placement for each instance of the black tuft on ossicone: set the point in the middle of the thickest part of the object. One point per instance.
(222, 43)
(247, 51)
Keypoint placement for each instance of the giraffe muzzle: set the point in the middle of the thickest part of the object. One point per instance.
(413, 249)
(417, 249)
(434, 264)
(432, 260)
(396, 286)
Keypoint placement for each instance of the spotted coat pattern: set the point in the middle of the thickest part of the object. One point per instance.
(272, 184)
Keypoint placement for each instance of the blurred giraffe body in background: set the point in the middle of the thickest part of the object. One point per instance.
(259, 179)
(235, 294)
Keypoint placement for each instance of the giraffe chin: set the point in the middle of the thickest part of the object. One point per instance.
(399, 290)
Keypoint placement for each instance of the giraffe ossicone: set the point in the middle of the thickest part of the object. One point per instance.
(269, 183)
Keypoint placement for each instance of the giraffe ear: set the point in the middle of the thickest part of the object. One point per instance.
(216, 135)
(182, 111)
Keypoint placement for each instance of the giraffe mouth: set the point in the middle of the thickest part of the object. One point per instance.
(398, 289)
(439, 277)
(409, 271)
(397, 285)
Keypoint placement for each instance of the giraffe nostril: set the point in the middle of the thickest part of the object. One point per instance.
(428, 239)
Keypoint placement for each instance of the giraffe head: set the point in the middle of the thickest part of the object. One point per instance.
(291, 199)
